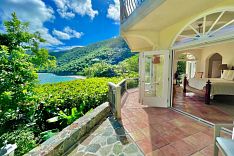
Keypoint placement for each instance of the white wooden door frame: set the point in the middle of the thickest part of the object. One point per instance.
(166, 100)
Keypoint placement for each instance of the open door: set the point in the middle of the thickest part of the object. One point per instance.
(154, 78)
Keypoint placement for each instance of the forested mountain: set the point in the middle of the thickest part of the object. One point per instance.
(73, 61)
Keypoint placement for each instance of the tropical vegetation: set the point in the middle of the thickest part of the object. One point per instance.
(126, 68)
(31, 113)
(74, 61)
(181, 68)
(20, 58)
(55, 107)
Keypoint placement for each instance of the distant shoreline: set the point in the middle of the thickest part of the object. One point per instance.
(64, 75)
(76, 76)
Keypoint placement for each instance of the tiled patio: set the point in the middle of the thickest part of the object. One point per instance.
(146, 131)
(163, 132)
(220, 111)
(108, 138)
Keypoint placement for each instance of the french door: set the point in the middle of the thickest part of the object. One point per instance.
(155, 78)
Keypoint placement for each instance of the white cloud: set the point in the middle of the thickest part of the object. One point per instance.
(114, 11)
(67, 33)
(69, 8)
(33, 11)
(64, 48)
(61, 35)
(73, 33)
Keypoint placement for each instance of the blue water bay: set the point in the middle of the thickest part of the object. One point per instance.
(52, 78)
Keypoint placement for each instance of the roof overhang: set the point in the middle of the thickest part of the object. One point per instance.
(156, 23)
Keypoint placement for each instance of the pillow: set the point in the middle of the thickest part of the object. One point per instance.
(230, 75)
(198, 75)
(225, 74)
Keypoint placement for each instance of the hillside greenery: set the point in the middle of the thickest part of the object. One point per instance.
(127, 68)
(31, 113)
(74, 61)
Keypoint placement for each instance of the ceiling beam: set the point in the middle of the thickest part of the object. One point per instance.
(194, 30)
(204, 25)
(216, 21)
(230, 22)
(185, 36)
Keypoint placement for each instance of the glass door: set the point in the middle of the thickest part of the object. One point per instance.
(154, 86)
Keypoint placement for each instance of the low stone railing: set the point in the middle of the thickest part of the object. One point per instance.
(116, 91)
(64, 140)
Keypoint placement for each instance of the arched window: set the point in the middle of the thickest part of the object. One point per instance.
(217, 26)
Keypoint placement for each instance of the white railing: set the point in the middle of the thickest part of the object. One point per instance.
(116, 91)
(127, 7)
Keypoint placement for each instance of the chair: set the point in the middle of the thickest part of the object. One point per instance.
(226, 146)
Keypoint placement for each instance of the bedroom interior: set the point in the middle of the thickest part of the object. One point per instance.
(193, 68)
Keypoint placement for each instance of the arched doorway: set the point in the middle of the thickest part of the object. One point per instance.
(214, 62)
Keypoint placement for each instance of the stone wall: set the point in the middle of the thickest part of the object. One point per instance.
(64, 140)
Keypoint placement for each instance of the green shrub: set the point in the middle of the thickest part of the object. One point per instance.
(64, 97)
(133, 83)
(90, 92)
(23, 137)
(48, 134)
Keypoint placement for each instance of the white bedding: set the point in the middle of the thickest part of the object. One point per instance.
(218, 86)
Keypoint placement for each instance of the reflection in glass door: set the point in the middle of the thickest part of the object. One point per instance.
(153, 75)
(154, 84)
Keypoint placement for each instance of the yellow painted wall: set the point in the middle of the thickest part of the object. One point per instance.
(195, 52)
(224, 49)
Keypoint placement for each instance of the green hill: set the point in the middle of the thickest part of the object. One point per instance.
(73, 61)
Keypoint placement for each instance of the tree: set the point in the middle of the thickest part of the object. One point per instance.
(18, 36)
(20, 58)
(100, 70)
(131, 64)
(181, 65)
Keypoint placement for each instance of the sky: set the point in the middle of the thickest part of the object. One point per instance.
(66, 23)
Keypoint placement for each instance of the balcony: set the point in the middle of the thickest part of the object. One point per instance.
(127, 7)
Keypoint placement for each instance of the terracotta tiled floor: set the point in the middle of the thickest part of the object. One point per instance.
(163, 132)
(217, 112)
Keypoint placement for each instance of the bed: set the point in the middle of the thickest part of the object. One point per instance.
(211, 86)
